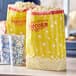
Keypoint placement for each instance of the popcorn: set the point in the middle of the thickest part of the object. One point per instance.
(24, 5)
(43, 9)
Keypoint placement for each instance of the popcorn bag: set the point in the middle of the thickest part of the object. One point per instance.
(11, 49)
(45, 39)
(16, 18)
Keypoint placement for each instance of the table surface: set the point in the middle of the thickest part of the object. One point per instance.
(22, 71)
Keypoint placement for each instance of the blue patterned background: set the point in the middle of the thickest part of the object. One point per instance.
(3, 7)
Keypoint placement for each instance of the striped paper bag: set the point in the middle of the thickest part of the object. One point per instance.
(45, 40)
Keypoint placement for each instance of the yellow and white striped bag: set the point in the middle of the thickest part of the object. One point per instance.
(45, 40)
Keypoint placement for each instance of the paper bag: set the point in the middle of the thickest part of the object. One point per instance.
(45, 40)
